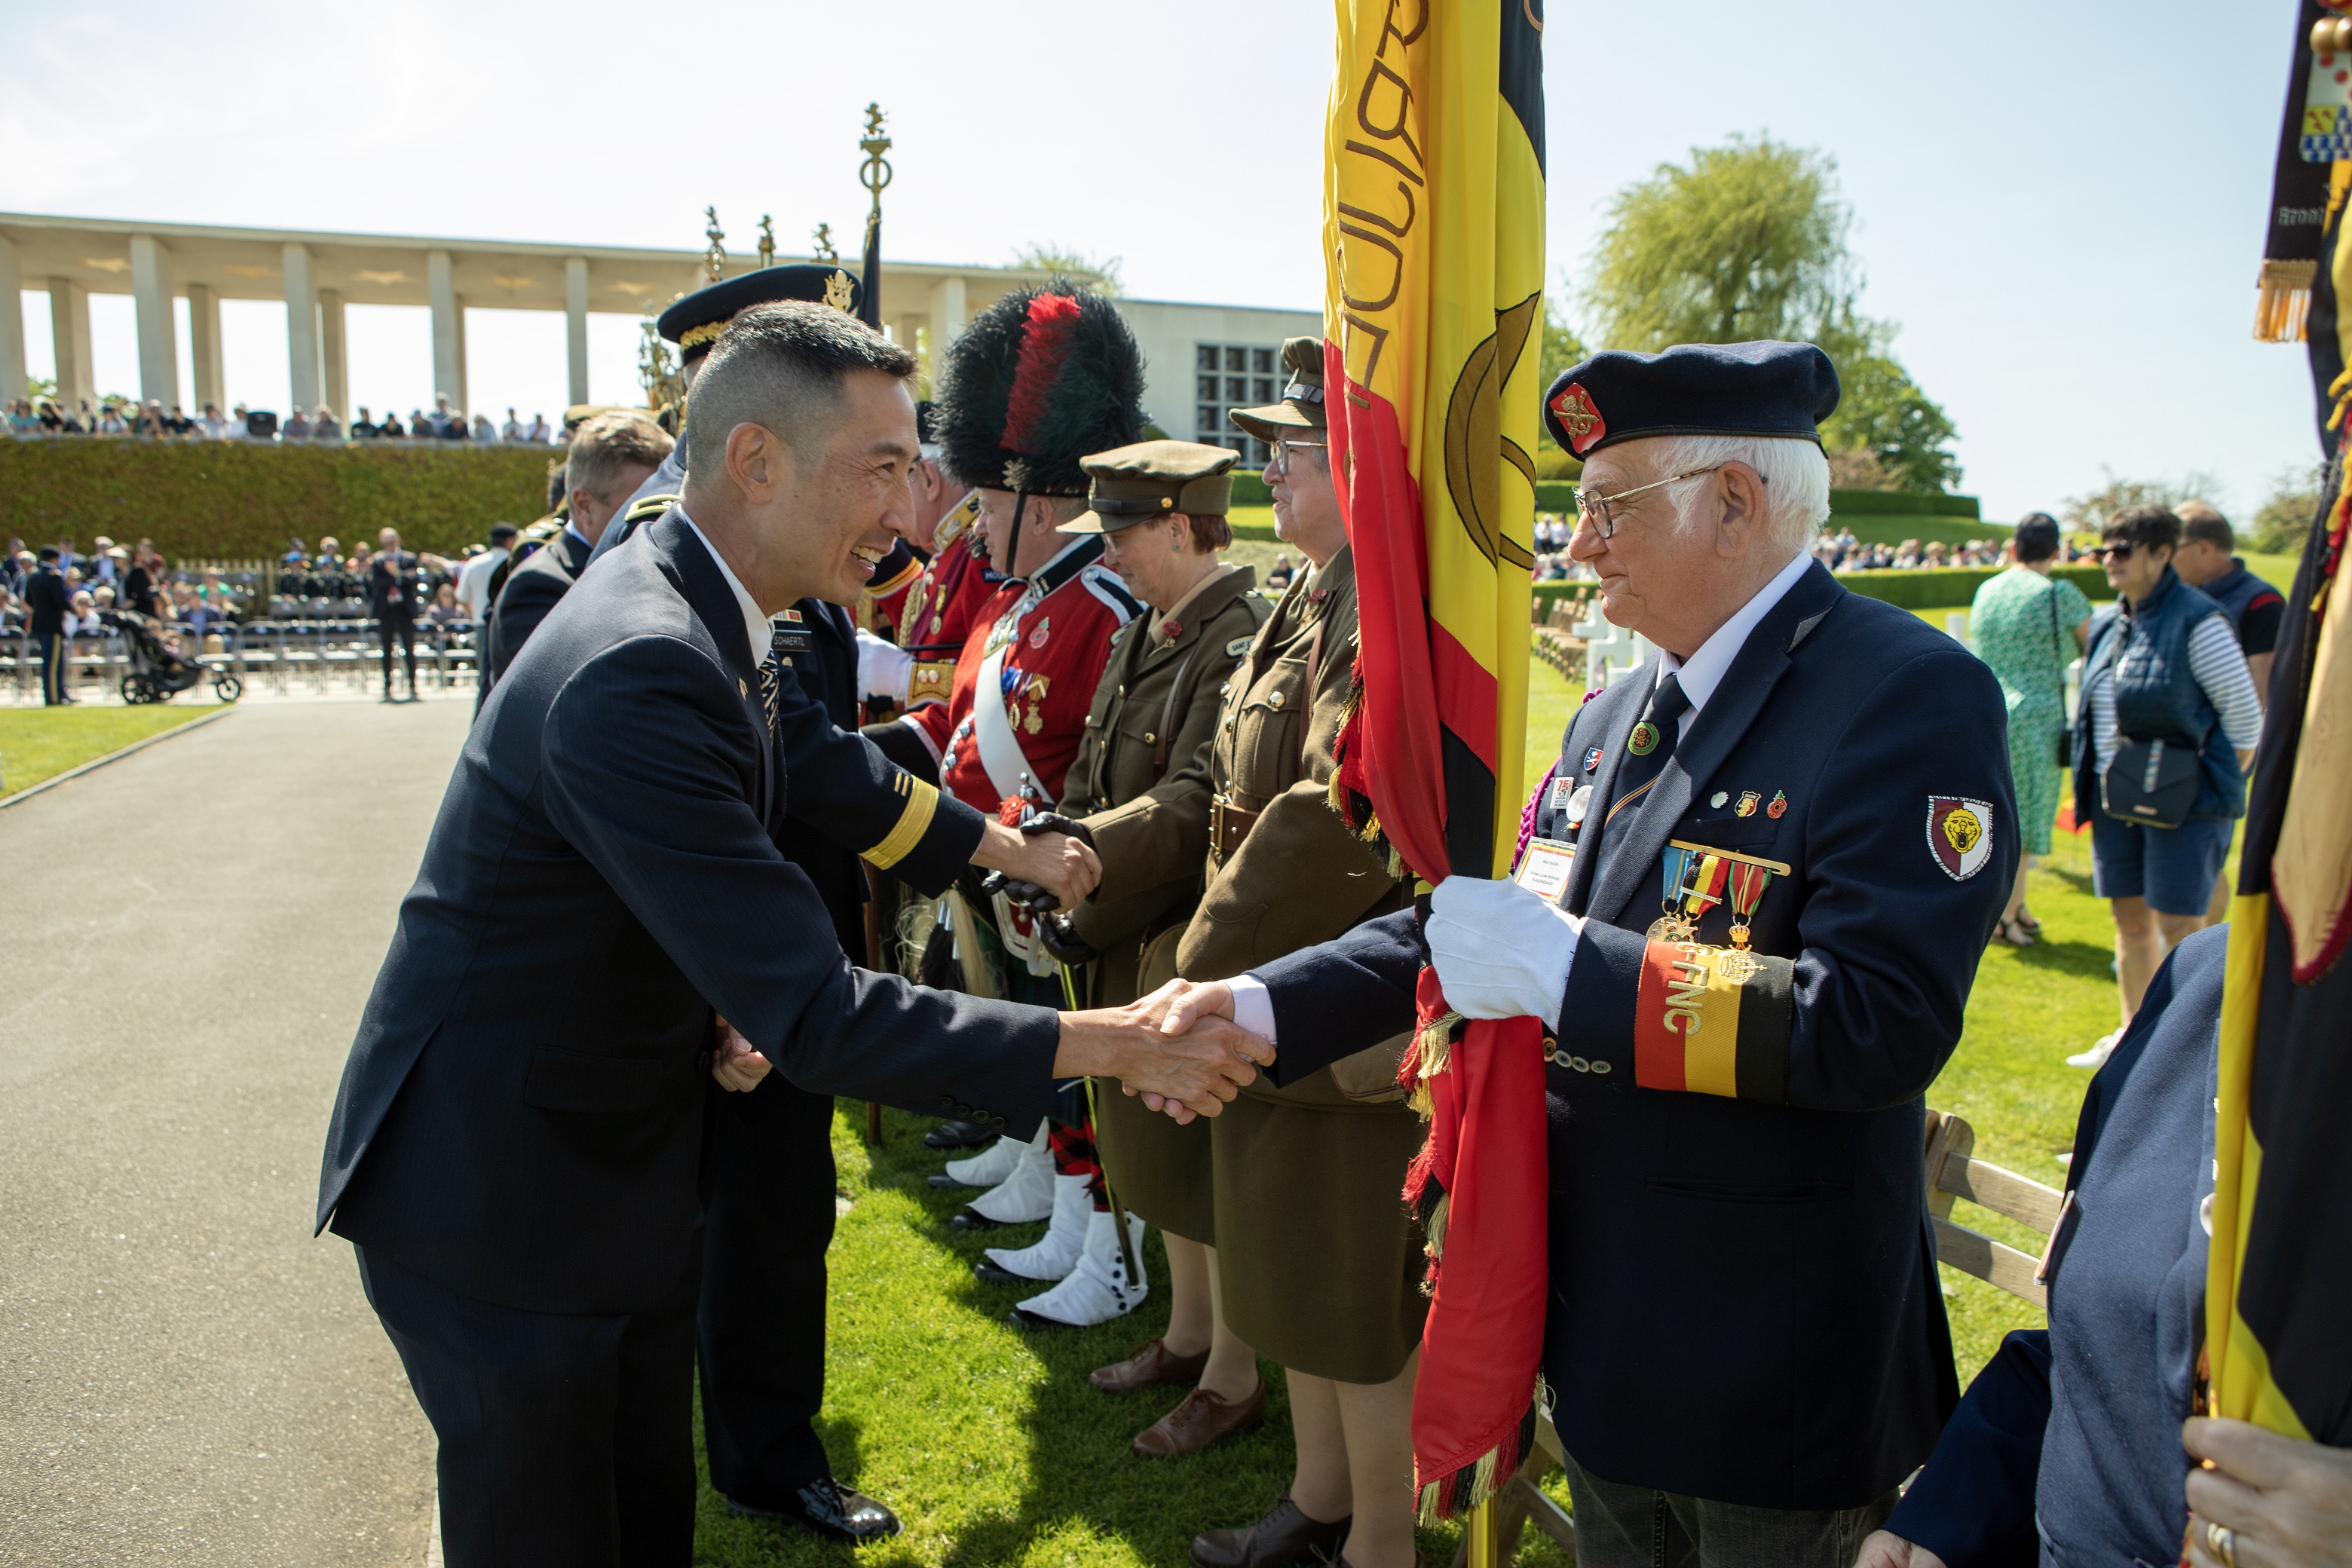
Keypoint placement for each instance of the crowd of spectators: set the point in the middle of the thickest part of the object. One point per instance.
(34, 418)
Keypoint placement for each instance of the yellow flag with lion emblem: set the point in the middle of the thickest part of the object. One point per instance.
(1433, 243)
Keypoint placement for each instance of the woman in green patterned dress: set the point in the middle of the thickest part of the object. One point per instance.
(2029, 626)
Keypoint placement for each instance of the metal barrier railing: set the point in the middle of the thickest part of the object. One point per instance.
(281, 656)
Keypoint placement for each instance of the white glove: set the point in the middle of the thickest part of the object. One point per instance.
(883, 668)
(1500, 951)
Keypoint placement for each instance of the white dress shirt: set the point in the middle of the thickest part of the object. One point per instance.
(1551, 957)
(755, 624)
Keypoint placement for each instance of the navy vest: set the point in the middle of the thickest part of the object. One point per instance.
(2233, 590)
(2157, 694)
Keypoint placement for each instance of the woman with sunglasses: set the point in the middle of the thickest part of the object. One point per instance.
(2163, 665)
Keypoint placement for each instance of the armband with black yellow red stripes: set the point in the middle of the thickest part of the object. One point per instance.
(1714, 1020)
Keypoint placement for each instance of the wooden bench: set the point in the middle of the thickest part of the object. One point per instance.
(1953, 1173)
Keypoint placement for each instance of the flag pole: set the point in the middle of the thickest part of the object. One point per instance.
(1482, 1534)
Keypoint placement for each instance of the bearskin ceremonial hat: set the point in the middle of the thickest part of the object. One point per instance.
(1039, 380)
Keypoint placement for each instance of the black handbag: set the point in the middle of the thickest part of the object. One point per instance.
(2152, 783)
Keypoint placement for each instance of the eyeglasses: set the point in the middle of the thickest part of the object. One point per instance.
(1280, 463)
(1592, 506)
(2111, 552)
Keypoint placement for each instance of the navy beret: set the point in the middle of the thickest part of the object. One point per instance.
(1692, 389)
(694, 322)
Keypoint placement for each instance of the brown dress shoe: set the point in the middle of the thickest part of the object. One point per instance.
(1198, 1421)
(1154, 1363)
(1283, 1537)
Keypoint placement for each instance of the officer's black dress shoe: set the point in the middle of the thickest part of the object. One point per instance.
(827, 1508)
(993, 1273)
(957, 1135)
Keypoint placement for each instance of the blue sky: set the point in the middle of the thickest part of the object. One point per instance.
(2063, 205)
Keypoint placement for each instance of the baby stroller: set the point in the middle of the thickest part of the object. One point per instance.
(158, 674)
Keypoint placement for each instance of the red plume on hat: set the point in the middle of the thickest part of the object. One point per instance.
(1040, 379)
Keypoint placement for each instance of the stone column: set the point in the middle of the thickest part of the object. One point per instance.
(575, 324)
(159, 345)
(12, 322)
(448, 329)
(336, 384)
(204, 347)
(947, 322)
(302, 330)
(69, 329)
(461, 400)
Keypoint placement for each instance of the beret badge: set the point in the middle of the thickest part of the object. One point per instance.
(836, 290)
(1573, 407)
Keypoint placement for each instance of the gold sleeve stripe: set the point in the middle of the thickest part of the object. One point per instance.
(922, 803)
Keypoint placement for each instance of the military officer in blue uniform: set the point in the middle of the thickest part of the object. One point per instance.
(768, 1216)
(1761, 875)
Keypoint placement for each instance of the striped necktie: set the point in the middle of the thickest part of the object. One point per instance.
(771, 676)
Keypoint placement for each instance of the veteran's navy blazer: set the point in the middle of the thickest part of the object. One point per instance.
(1744, 1304)
(521, 1115)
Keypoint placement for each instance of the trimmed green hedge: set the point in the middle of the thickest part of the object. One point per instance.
(1955, 587)
(231, 499)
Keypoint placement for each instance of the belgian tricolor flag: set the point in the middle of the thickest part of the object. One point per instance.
(2279, 1281)
(1434, 231)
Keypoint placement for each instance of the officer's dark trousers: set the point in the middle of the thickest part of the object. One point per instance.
(51, 647)
(1620, 1526)
(403, 631)
(766, 1226)
(565, 1440)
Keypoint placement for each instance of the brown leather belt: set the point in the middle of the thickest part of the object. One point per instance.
(1228, 826)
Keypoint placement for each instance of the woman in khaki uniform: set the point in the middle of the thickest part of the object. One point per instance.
(1141, 788)
(1160, 506)
(1321, 1266)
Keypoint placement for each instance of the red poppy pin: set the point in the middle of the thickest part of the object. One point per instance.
(1573, 407)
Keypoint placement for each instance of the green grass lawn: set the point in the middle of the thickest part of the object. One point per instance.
(993, 1450)
(38, 743)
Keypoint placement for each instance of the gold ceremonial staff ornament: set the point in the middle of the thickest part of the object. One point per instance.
(875, 174)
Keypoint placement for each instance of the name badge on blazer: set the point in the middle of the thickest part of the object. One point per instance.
(1543, 869)
(793, 641)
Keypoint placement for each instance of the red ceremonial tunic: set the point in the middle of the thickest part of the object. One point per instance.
(1055, 631)
(938, 612)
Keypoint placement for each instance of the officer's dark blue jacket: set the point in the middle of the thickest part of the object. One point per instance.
(2076, 1427)
(1744, 1303)
(521, 1116)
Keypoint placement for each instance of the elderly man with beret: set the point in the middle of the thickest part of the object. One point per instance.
(1760, 876)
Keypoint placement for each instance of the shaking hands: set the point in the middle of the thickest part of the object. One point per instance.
(1177, 1048)
(1047, 863)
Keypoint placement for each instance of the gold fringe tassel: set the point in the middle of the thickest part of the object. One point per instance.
(2282, 300)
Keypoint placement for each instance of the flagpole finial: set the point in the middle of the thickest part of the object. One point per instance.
(876, 173)
(821, 239)
(767, 242)
(714, 257)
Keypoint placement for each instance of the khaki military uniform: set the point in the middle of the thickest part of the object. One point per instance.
(1137, 782)
(1321, 1266)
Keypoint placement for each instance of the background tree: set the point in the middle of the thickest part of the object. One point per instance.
(1750, 241)
(2088, 513)
(1075, 265)
(2284, 519)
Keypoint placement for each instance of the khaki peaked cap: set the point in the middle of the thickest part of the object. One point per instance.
(1301, 407)
(1155, 479)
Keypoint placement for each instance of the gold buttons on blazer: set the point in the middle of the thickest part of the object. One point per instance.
(1274, 701)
